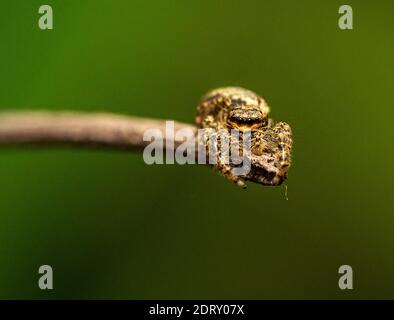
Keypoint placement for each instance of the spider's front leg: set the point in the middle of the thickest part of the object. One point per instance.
(284, 140)
(218, 142)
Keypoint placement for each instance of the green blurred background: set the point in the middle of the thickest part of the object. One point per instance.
(114, 227)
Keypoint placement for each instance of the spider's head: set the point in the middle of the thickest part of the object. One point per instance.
(243, 119)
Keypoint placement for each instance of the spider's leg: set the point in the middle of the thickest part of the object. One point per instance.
(217, 148)
(284, 137)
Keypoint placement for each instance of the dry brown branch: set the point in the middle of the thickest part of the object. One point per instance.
(85, 129)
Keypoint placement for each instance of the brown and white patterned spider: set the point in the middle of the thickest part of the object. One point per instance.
(228, 108)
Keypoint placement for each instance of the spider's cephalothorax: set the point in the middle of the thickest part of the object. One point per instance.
(232, 107)
(241, 109)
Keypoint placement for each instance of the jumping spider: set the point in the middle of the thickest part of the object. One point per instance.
(237, 108)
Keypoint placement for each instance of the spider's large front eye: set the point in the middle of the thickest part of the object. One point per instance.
(236, 119)
(250, 121)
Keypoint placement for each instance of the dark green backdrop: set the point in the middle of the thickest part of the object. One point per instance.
(113, 227)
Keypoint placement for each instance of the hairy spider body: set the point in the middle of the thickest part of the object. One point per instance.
(236, 108)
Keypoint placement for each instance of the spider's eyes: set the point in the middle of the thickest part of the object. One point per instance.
(243, 121)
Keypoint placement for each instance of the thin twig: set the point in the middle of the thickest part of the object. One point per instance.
(84, 129)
